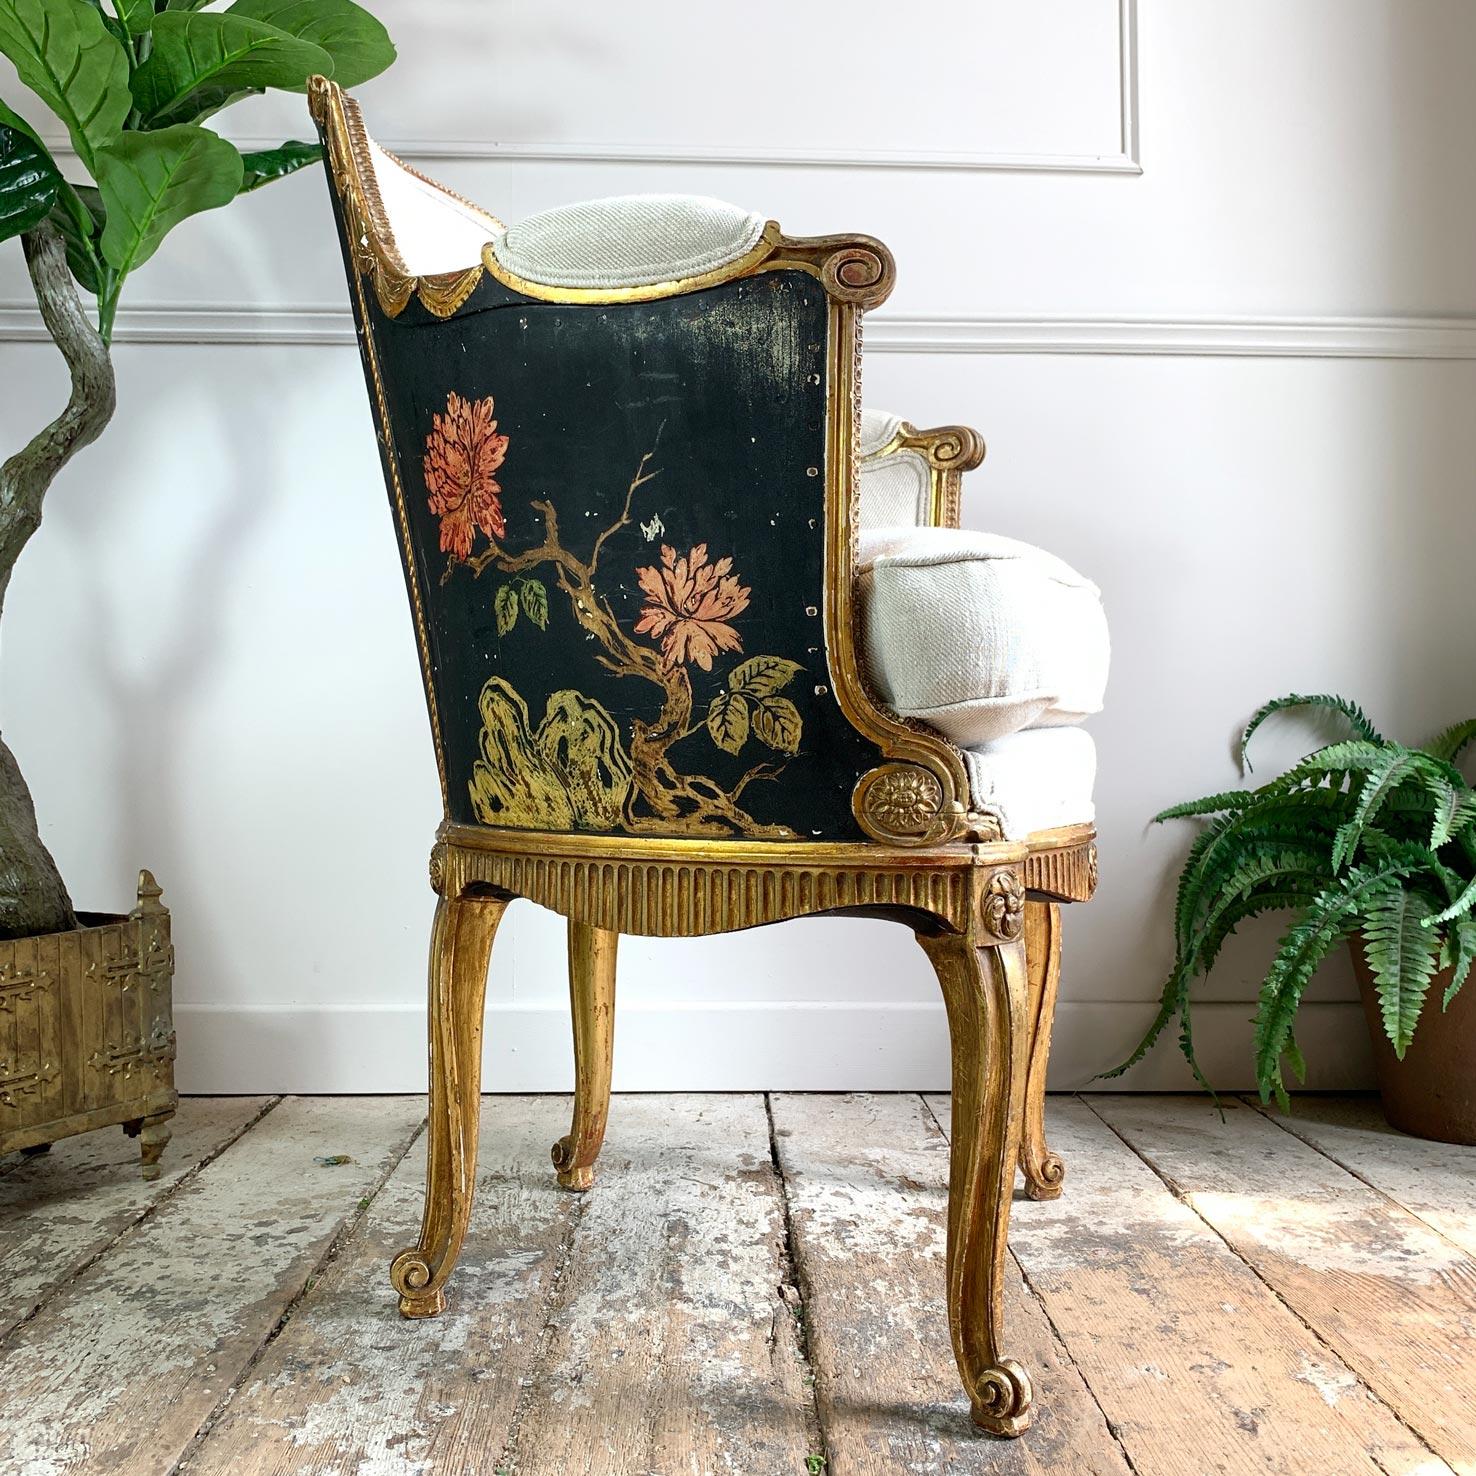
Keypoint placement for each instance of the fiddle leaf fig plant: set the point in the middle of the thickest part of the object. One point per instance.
(1363, 837)
(132, 83)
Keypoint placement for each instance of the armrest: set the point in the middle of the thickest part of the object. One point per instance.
(912, 476)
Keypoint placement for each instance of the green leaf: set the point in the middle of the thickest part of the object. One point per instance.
(1459, 906)
(1350, 710)
(1393, 767)
(535, 602)
(265, 165)
(62, 51)
(79, 215)
(505, 607)
(1331, 916)
(1211, 804)
(152, 181)
(200, 60)
(358, 44)
(776, 721)
(1401, 952)
(727, 721)
(762, 676)
(1450, 744)
(28, 182)
(137, 15)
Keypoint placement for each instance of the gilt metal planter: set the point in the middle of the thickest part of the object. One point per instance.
(87, 1030)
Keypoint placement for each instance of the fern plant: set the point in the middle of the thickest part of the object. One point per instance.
(132, 83)
(1363, 837)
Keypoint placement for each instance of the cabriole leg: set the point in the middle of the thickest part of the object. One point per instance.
(461, 946)
(984, 991)
(592, 1004)
(1044, 1172)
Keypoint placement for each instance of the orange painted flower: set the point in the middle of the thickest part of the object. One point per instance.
(462, 453)
(688, 605)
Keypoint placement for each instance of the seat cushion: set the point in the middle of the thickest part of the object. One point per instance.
(1035, 780)
(979, 635)
(628, 241)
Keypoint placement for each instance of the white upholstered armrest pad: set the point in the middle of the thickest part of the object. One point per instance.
(980, 635)
(628, 241)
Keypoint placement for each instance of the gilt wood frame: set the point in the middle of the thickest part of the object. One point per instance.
(925, 859)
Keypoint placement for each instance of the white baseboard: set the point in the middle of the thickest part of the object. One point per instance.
(727, 1047)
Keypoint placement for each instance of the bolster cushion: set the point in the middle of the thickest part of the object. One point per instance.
(980, 635)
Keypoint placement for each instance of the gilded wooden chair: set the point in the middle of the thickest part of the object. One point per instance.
(665, 649)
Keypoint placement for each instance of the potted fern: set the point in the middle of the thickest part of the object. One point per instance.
(1366, 841)
(131, 82)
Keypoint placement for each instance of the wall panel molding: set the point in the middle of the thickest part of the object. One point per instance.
(1124, 160)
(1321, 337)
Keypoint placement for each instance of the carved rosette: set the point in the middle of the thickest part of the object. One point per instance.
(438, 869)
(902, 804)
(1003, 907)
(1091, 869)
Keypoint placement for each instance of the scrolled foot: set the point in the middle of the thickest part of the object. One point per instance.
(1045, 1181)
(1001, 1399)
(410, 1275)
(571, 1175)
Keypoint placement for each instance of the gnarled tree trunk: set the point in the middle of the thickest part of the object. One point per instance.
(33, 897)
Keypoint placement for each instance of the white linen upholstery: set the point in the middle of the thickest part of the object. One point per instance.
(1035, 780)
(434, 231)
(628, 241)
(979, 635)
(895, 489)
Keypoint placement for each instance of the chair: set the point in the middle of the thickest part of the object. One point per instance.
(669, 584)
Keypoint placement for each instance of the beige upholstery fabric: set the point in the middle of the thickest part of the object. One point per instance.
(896, 489)
(1035, 780)
(433, 231)
(628, 241)
(979, 635)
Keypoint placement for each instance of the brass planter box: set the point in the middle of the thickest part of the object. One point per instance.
(87, 1030)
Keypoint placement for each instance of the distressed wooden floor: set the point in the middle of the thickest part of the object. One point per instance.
(754, 1286)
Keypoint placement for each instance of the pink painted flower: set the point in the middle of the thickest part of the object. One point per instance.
(688, 605)
(462, 453)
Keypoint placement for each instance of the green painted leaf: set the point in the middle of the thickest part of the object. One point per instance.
(762, 676)
(727, 721)
(535, 602)
(505, 607)
(28, 182)
(63, 52)
(358, 44)
(776, 721)
(202, 59)
(152, 181)
(265, 165)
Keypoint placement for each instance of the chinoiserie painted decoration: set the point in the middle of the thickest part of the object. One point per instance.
(575, 766)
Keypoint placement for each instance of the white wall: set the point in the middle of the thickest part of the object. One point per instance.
(1237, 388)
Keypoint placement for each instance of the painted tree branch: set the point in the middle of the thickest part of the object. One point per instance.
(33, 897)
(665, 794)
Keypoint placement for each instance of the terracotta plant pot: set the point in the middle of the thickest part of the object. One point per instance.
(1431, 1093)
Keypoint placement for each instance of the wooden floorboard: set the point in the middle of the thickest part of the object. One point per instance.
(1201, 1369)
(1395, 1298)
(117, 1372)
(61, 1209)
(749, 1287)
(867, 1177)
(672, 1347)
(1435, 1181)
(350, 1386)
